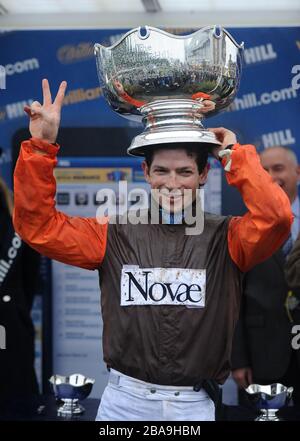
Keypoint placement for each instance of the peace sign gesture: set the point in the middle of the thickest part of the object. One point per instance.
(45, 119)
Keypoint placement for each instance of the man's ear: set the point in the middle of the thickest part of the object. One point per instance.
(203, 175)
(146, 171)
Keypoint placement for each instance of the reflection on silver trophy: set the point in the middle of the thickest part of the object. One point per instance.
(70, 390)
(170, 82)
(269, 399)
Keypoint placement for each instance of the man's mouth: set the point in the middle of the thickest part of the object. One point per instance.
(171, 195)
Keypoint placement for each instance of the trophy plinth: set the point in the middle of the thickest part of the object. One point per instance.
(269, 399)
(170, 82)
(70, 390)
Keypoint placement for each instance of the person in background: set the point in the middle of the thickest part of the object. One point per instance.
(262, 351)
(19, 268)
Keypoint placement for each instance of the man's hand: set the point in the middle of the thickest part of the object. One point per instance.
(45, 119)
(242, 377)
(225, 137)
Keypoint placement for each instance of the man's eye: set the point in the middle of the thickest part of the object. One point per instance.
(160, 172)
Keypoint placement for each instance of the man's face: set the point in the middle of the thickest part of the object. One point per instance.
(172, 172)
(282, 168)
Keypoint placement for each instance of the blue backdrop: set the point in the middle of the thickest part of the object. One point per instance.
(265, 112)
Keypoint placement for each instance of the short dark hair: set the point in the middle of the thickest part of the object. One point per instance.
(200, 151)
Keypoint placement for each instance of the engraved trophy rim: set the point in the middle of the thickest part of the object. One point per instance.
(175, 36)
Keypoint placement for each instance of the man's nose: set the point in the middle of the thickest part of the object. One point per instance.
(172, 181)
(274, 176)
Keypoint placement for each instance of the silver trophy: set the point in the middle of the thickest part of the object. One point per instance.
(70, 390)
(170, 82)
(269, 399)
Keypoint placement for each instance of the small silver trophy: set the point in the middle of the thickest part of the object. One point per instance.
(70, 390)
(269, 399)
(170, 82)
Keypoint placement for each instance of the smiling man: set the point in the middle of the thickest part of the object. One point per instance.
(169, 300)
(175, 174)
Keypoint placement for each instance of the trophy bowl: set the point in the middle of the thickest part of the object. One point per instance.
(269, 399)
(170, 82)
(70, 389)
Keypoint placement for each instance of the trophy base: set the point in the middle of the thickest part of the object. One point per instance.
(148, 140)
(268, 415)
(70, 408)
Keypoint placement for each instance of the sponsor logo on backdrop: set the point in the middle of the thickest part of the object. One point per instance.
(250, 100)
(163, 286)
(79, 95)
(281, 137)
(74, 53)
(258, 54)
(19, 67)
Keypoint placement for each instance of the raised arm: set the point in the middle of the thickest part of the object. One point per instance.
(72, 240)
(255, 236)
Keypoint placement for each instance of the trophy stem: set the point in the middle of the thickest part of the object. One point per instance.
(173, 121)
(70, 407)
(168, 113)
(268, 415)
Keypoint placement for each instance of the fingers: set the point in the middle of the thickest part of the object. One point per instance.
(27, 110)
(60, 94)
(34, 109)
(218, 130)
(47, 99)
(224, 135)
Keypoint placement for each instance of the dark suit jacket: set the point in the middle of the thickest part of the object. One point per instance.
(263, 335)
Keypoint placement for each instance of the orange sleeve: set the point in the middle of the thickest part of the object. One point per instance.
(72, 240)
(255, 236)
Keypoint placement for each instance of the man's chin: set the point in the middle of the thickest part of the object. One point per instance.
(172, 207)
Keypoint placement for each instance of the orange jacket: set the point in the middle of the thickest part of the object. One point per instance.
(78, 241)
